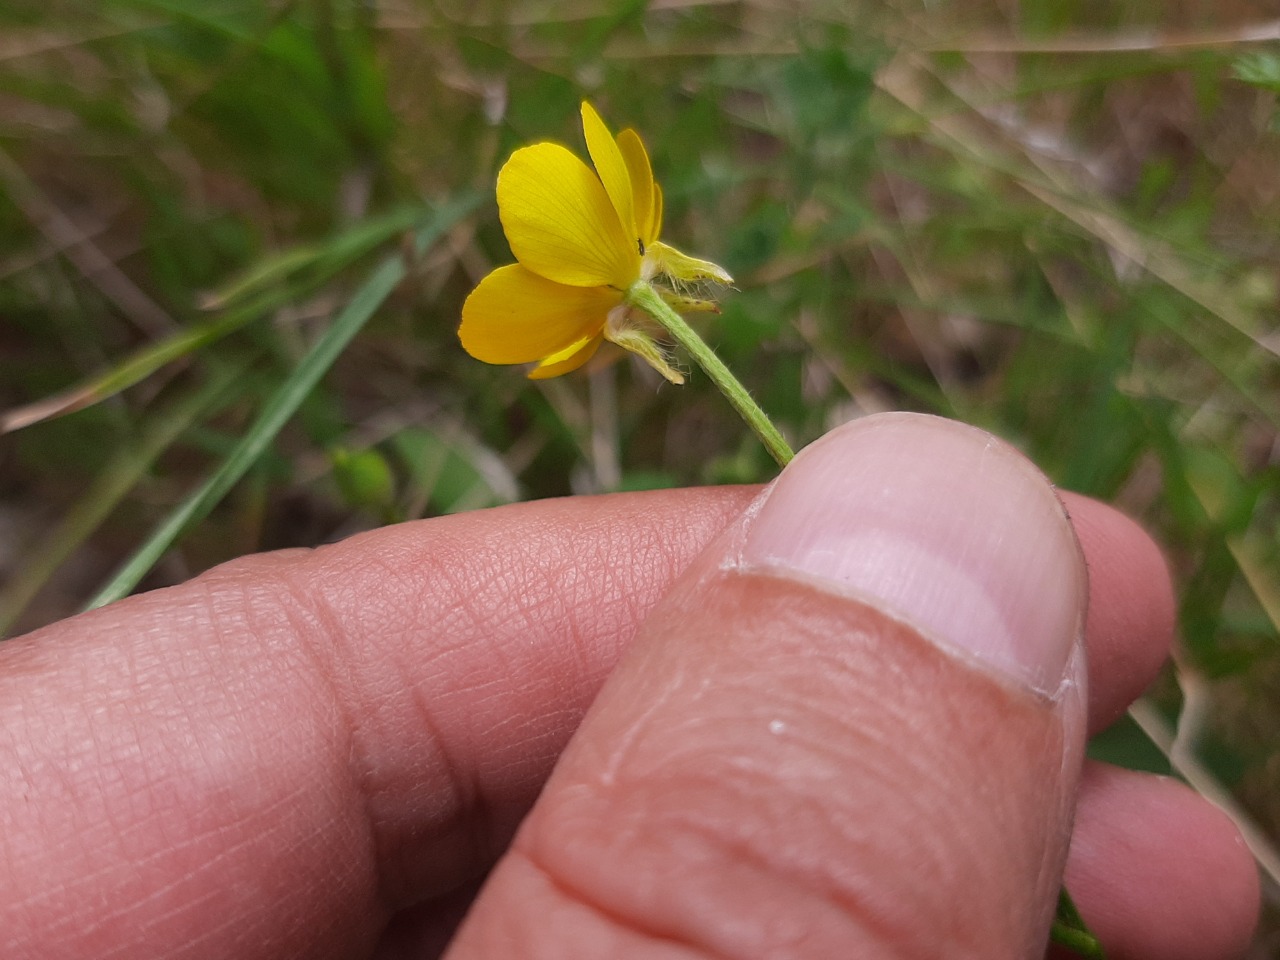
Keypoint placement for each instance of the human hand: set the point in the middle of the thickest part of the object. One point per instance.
(321, 753)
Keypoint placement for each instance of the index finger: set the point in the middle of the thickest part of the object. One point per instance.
(273, 758)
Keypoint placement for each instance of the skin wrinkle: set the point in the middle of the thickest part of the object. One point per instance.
(727, 850)
(755, 851)
(629, 924)
(466, 798)
(457, 797)
(541, 600)
(282, 608)
(836, 743)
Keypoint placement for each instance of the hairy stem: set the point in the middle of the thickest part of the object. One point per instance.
(644, 297)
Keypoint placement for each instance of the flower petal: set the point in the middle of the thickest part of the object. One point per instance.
(568, 359)
(646, 197)
(516, 316)
(612, 167)
(560, 222)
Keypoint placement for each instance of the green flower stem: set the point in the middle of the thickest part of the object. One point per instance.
(643, 296)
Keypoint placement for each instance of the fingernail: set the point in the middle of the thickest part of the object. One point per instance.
(939, 525)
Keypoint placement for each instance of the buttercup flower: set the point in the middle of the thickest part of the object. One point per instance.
(584, 239)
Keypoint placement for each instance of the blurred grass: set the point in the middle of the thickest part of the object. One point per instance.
(1045, 218)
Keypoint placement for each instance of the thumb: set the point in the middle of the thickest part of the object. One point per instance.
(853, 728)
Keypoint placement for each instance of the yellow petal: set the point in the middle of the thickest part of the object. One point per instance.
(516, 316)
(644, 192)
(611, 166)
(571, 358)
(560, 222)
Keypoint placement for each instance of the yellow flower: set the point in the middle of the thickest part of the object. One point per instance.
(583, 238)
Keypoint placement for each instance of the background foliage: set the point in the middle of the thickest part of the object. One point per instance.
(235, 236)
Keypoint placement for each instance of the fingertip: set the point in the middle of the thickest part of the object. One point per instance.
(1158, 872)
(1132, 608)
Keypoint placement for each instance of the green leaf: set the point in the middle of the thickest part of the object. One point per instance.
(1260, 69)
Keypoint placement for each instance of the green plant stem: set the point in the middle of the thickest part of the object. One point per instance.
(1070, 931)
(642, 295)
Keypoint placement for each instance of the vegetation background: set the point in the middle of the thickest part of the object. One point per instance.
(235, 236)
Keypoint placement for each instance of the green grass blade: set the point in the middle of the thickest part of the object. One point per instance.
(279, 408)
(247, 299)
(108, 489)
(125, 374)
(323, 259)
